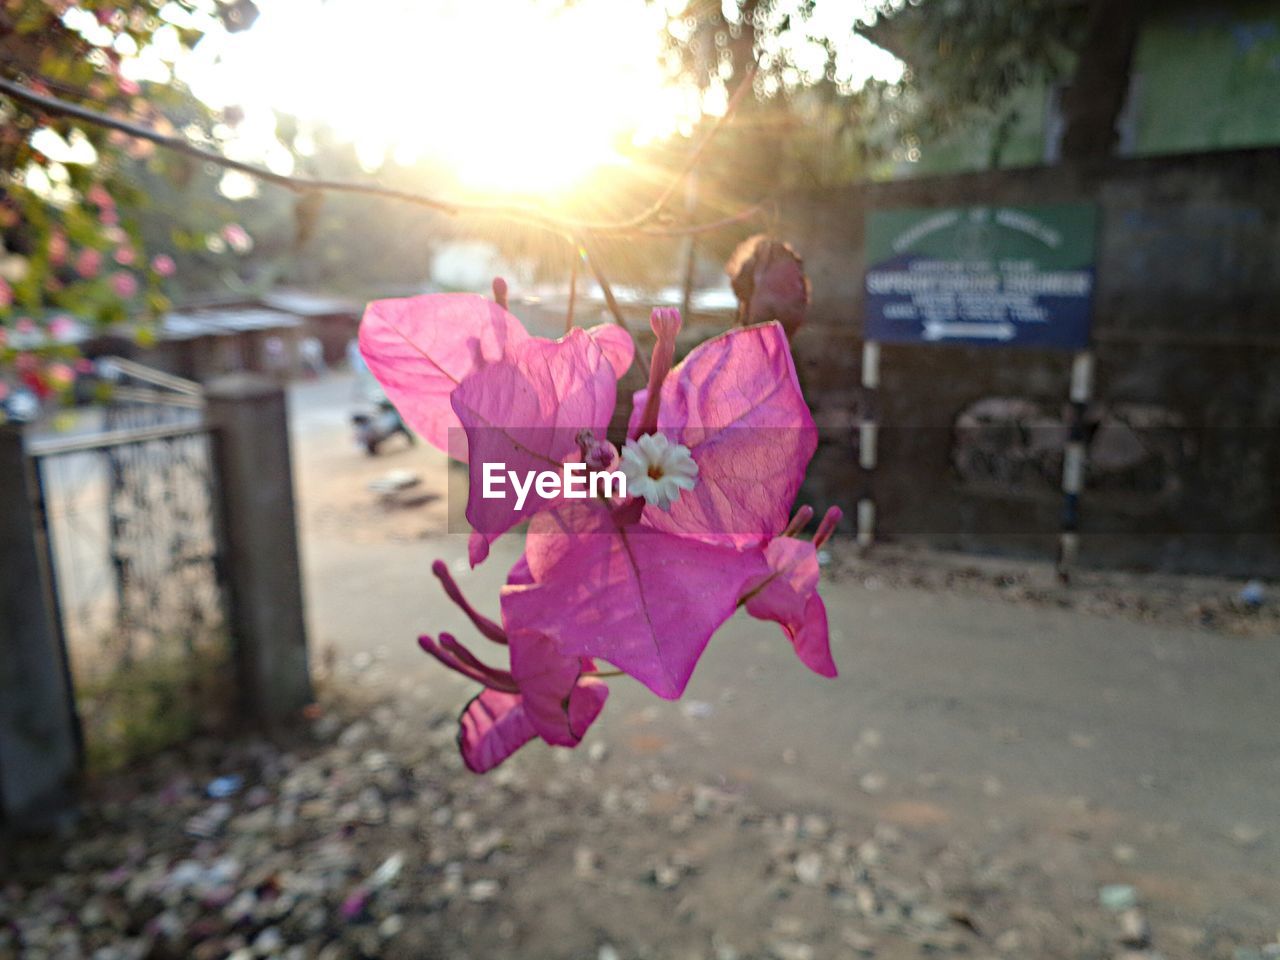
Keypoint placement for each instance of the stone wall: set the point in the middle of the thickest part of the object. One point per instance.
(1186, 419)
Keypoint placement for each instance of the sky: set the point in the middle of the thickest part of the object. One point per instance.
(514, 95)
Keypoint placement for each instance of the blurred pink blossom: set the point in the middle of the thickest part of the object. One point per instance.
(88, 263)
(25, 326)
(237, 238)
(60, 375)
(62, 327)
(125, 285)
(6, 294)
(163, 264)
(98, 196)
(125, 255)
(57, 248)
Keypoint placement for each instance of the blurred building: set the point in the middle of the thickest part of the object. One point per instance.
(1182, 427)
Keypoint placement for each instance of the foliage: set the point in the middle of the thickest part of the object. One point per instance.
(73, 245)
(816, 124)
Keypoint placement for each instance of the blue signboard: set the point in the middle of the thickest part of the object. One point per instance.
(993, 276)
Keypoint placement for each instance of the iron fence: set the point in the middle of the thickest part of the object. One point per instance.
(134, 542)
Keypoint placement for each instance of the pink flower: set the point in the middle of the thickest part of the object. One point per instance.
(527, 410)
(603, 585)
(125, 255)
(717, 448)
(735, 403)
(788, 594)
(734, 406)
(544, 694)
(421, 348)
(60, 375)
(25, 326)
(58, 248)
(98, 196)
(163, 265)
(88, 263)
(123, 284)
(62, 327)
(6, 294)
(237, 238)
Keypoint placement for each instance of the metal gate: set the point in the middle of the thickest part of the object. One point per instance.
(128, 503)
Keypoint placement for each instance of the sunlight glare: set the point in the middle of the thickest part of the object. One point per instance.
(517, 97)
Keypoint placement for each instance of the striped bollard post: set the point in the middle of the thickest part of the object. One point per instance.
(1073, 462)
(868, 438)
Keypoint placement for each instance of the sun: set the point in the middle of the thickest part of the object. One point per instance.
(517, 97)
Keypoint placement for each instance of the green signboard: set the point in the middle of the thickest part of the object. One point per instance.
(993, 275)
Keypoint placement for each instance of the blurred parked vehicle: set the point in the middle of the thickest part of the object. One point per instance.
(375, 418)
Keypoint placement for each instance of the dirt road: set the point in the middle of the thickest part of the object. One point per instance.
(1108, 751)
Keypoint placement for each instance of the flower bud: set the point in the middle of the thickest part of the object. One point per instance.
(769, 281)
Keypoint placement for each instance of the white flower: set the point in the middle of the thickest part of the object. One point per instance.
(658, 469)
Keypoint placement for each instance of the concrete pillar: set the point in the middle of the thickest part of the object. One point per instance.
(39, 732)
(263, 573)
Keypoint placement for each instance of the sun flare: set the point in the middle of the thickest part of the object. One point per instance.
(516, 97)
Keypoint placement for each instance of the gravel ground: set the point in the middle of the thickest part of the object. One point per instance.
(359, 834)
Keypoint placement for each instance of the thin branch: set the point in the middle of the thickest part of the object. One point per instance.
(58, 107)
(573, 289)
(695, 228)
(593, 263)
(695, 156)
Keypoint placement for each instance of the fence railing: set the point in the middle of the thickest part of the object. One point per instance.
(151, 581)
(136, 567)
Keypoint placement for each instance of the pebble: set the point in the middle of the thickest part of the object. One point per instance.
(858, 941)
(391, 926)
(873, 783)
(268, 942)
(1246, 835)
(790, 950)
(585, 863)
(1118, 897)
(1134, 929)
(809, 868)
(1123, 853)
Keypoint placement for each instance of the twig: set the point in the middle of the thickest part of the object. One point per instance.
(573, 288)
(711, 225)
(302, 185)
(695, 155)
(610, 300)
